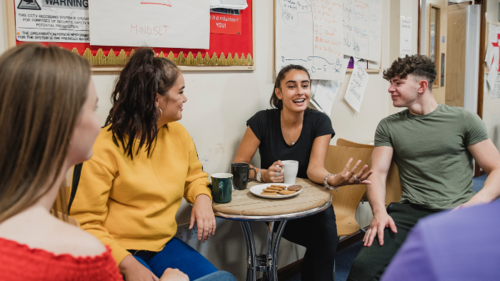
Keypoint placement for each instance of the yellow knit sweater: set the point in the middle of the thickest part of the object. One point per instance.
(131, 204)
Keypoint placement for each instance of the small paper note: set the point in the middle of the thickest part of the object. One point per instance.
(325, 94)
(495, 92)
(357, 86)
(489, 56)
(493, 73)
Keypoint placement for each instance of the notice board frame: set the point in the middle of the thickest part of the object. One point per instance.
(192, 59)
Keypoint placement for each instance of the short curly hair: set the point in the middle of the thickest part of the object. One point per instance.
(416, 65)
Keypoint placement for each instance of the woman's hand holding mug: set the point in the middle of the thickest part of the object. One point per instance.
(274, 173)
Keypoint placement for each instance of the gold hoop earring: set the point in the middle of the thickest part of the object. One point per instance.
(161, 112)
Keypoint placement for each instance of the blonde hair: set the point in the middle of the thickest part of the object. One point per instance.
(42, 92)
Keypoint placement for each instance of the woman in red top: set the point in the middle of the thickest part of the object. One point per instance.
(47, 124)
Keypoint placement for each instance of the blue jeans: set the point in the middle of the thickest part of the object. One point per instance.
(177, 254)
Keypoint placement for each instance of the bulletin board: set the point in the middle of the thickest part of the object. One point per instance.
(227, 52)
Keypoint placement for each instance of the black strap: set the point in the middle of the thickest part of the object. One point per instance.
(74, 184)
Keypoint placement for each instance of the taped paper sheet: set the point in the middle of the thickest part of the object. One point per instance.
(495, 92)
(152, 23)
(493, 71)
(405, 32)
(229, 4)
(325, 93)
(357, 87)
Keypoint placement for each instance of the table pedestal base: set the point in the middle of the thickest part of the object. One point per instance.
(267, 263)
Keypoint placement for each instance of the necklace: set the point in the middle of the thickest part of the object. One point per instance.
(288, 134)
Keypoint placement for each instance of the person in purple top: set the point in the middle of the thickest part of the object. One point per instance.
(459, 245)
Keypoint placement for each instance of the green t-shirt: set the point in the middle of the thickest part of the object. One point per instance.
(435, 166)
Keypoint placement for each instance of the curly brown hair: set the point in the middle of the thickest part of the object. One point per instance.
(416, 65)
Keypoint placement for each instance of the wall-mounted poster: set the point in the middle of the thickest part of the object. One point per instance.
(52, 21)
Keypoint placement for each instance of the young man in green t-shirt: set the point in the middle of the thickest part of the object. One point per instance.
(433, 145)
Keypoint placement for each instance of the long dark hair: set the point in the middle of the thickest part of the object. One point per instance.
(134, 114)
(275, 101)
(42, 92)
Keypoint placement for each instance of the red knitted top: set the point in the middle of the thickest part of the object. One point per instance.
(19, 262)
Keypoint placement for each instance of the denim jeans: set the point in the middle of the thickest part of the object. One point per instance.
(177, 254)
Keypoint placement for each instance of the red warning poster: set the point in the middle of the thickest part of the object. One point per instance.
(225, 23)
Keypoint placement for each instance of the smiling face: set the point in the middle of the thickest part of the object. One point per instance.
(171, 104)
(405, 92)
(294, 90)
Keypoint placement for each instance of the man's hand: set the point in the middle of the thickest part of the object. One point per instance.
(475, 200)
(203, 214)
(173, 274)
(377, 226)
(133, 270)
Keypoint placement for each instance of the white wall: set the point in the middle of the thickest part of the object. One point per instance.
(491, 107)
(219, 103)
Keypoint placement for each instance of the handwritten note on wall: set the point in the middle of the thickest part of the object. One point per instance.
(309, 33)
(362, 24)
(153, 23)
(357, 87)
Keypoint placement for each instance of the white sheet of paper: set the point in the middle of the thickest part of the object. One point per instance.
(52, 21)
(493, 72)
(493, 31)
(405, 32)
(489, 56)
(357, 87)
(325, 94)
(362, 22)
(309, 33)
(375, 30)
(229, 4)
(152, 23)
(495, 92)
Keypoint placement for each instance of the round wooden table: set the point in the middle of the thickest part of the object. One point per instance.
(246, 207)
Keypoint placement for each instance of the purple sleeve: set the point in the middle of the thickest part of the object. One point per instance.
(411, 263)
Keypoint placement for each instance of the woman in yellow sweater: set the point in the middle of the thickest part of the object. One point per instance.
(144, 162)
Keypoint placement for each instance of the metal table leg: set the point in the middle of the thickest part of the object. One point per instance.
(268, 264)
(276, 245)
(251, 255)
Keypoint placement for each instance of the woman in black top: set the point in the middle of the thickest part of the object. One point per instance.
(291, 131)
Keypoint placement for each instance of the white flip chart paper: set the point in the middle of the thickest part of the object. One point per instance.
(362, 22)
(152, 23)
(309, 33)
(357, 87)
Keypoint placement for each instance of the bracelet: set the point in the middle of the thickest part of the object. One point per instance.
(258, 177)
(327, 186)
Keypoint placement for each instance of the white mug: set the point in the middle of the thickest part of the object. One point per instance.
(290, 170)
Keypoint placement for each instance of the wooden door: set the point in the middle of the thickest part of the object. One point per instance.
(437, 21)
(455, 63)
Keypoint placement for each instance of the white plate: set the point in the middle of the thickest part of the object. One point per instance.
(257, 190)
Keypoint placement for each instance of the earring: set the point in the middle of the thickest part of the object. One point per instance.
(161, 112)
